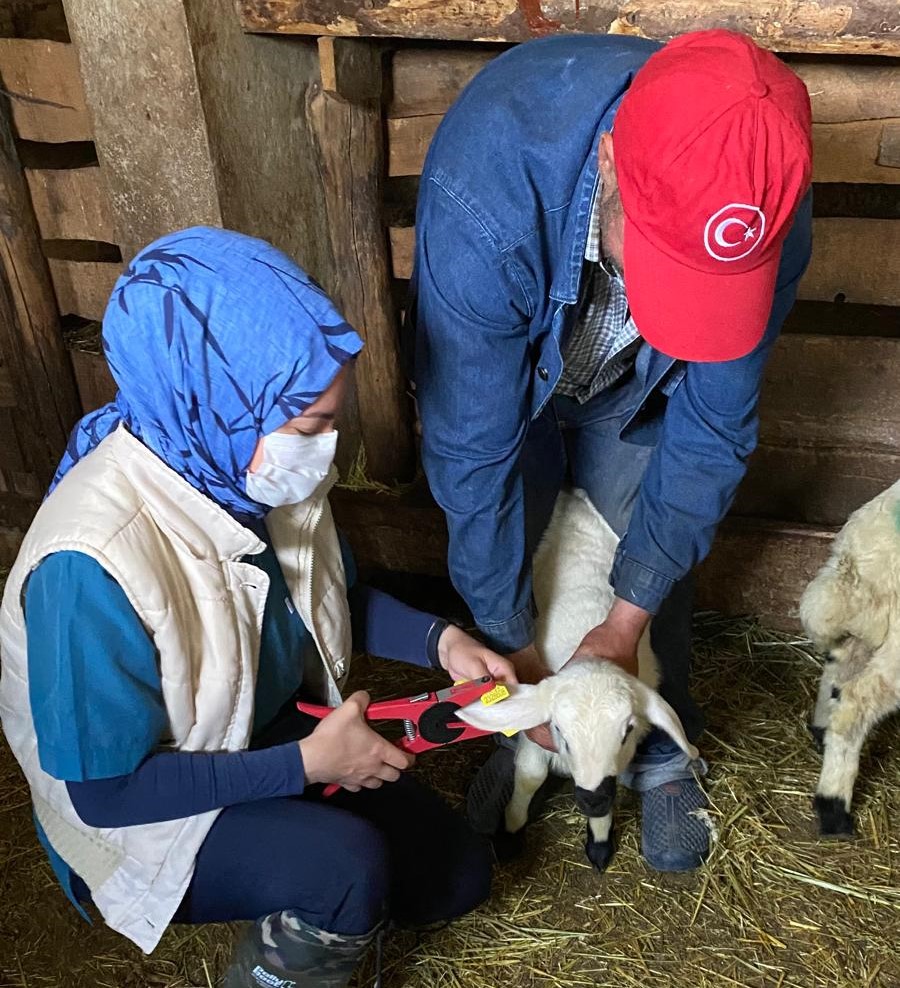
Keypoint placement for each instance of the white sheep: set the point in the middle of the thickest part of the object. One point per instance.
(851, 611)
(597, 712)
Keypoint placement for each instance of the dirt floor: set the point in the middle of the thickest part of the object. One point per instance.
(773, 907)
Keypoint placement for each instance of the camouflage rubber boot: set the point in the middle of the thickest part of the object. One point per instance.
(281, 951)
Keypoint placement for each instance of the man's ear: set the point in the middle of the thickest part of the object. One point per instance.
(607, 162)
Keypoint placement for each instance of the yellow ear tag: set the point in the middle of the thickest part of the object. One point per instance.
(498, 693)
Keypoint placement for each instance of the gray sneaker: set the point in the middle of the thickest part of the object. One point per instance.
(674, 835)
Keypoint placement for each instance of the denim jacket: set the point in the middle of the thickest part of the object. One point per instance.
(501, 228)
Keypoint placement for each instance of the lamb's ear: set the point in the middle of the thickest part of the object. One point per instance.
(661, 715)
(525, 707)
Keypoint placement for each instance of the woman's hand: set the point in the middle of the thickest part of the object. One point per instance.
(465, 658)
(344, 749)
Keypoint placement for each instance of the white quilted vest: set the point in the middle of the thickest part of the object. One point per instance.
(176, 555)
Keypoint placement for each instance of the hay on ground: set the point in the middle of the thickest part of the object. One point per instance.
(773, 907)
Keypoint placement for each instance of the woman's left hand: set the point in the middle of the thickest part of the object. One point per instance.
(465, 658)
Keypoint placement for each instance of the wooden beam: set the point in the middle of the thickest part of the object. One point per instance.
(847, 263)
(833, 392)
(30, 336)
(856, 151)
(852, 27)
(352, 68)
(149, 126)
(403, 245)
(428, 80)
(71, 203)
(852, 261)
(843, 91)
(761, 568)
(83, 287)
(350, 142)
(812, 484)
(96, 386)
(853, 151)
(49, 103)
(201, 124)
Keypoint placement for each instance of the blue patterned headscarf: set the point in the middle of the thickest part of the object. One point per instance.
(214, 339)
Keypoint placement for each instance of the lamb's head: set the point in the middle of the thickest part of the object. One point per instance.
(597, 714)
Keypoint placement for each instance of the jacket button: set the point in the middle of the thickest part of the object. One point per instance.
(339, 668)
(543, 374)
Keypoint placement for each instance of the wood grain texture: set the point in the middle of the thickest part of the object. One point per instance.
(252, 92)
(833, 391)
(71, 203)
(849, 26)
(853, 151)
(46, 74)
(755, 567)
(349, 138)
(149, 125)
(854, 260)
(96, 386)
(30, 335)
(83, 287)
(813, 484)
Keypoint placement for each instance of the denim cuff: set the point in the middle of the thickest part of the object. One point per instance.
(431, 641)
(638, 584)
(509, 635)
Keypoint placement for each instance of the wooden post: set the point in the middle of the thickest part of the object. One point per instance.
(31, 343)
(197, 123)
(347, 122)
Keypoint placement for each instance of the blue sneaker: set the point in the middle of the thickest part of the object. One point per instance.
(673, 836)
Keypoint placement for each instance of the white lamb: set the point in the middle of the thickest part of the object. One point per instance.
(597, 712)
(851, 611)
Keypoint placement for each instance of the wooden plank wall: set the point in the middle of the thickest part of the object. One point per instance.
(44, 127)
(68, 190)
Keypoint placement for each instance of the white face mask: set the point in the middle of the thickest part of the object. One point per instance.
(293, 466)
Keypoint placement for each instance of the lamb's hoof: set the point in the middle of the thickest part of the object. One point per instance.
(600, 853)
(507, 846)
(818, 736)
(835, 822)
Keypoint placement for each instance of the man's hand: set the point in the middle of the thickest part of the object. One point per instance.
(465, 658)
(617, 638)
(530, 666)
(344, 749)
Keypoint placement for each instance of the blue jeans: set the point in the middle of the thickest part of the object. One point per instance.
(579, 444)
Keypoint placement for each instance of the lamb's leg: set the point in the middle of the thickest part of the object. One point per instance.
(532, 766)
(822, 713)
(855, 709)
(601, 842)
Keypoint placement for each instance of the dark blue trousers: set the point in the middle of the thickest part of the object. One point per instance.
(343, 863)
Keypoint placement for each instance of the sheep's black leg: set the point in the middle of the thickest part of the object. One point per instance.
(855, 709)
(601, 841)
(819, 724)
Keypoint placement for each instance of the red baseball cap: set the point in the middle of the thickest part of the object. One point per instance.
(713, 154)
